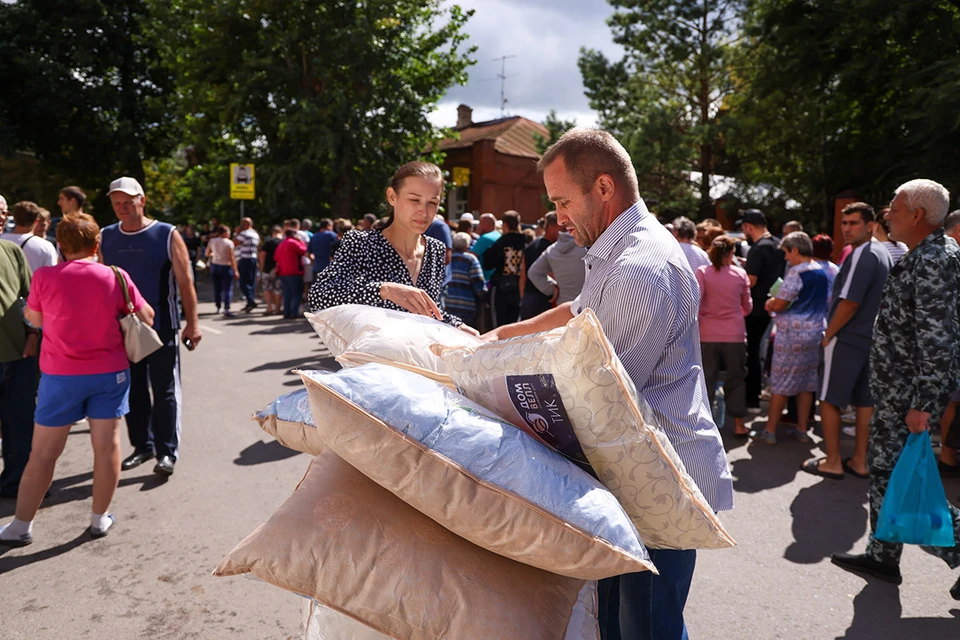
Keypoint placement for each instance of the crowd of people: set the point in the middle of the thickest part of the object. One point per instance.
(62, 353)
(690, 309)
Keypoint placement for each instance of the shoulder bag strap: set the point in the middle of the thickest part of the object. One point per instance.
(27, 239)
(126, 292)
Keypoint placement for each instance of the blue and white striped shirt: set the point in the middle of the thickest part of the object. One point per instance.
(645, 294)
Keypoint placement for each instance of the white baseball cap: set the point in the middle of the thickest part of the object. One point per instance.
(467, 216)
(126, 185)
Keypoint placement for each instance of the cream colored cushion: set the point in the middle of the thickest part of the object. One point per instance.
(475, 474)
(356, 548)
(570, 379)
(289, 420)
(391, 336)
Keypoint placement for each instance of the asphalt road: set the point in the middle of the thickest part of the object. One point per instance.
(151, 577)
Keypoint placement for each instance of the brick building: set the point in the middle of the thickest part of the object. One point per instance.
(494, 167)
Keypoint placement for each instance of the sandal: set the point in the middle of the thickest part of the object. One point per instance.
(800, 436)
(812, 467)
(764, 436)
(848, 469)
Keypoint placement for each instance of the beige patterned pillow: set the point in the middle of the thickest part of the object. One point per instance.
(356, 548)
(568, 388)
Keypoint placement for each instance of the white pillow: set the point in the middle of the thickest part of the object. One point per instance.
(391, 336)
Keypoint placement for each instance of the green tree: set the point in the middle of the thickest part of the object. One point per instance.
(665, 98)
(83, 89)
(848, 95)
(555, 127)
(326, 97)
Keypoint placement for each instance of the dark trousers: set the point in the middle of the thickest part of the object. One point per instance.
(732, 356)
(504, 306)
(756, 326)
(888, 436)
(18, 399)
(222, 275)
(154, 425)
(248, 279)
(533, 303)
(644, 606)
(292, 294)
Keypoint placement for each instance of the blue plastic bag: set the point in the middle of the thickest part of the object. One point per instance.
(915, 508)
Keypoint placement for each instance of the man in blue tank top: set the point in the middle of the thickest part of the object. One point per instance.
(156, 257)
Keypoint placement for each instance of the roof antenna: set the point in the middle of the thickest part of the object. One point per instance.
(503, 78)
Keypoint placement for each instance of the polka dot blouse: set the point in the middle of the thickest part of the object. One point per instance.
(364, 261)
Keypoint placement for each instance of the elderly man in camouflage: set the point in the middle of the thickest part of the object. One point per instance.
(915, 360)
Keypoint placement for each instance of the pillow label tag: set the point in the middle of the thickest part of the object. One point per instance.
(540, 412)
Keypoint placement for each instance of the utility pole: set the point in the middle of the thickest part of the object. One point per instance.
(503, 78)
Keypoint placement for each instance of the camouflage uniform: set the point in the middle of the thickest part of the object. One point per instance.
(915, 364)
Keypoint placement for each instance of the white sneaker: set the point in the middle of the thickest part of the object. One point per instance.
(850, 431)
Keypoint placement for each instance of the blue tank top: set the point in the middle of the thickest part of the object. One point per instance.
(145, 255)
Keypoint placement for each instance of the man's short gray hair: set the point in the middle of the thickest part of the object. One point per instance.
(951, 221)
(685, 228)
(800, 241)
(928, 195)
(461, 241)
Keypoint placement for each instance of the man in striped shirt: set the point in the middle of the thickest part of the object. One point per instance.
(248, 244)
(645, 294)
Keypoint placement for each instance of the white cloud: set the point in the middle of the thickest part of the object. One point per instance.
(546, 37)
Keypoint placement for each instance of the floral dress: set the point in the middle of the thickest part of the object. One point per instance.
(796, 349)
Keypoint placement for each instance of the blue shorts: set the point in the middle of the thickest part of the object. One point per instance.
(63, 400)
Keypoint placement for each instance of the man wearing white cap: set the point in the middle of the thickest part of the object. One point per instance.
(156, 257)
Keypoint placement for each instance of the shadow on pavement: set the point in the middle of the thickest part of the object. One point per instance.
(260, 452)
(80, 487)
(290, 326)
(15, 562)
(829, 517)
(314, 362)
(770, 466)
(877, 615)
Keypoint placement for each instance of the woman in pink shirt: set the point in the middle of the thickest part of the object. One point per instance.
(724, 301)
(85, 371)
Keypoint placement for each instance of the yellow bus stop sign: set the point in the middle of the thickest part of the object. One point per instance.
(241, 181)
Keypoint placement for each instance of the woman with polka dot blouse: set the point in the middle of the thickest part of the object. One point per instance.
(394, 265)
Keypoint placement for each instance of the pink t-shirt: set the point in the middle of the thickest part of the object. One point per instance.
(81, 303)
(724, 301)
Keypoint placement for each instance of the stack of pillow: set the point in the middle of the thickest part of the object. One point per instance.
(425, 514)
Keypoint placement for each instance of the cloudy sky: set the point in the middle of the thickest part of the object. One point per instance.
(545, 36)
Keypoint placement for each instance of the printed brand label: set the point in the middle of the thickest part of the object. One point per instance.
(538, 404)
(121, 377)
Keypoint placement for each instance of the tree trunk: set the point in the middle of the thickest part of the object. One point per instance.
(706, 142)
(343, 196)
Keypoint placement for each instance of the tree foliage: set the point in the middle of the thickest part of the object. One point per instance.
(665, 98)
(555, 128)
(83, 88)
(328, 98)
(848, 95)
